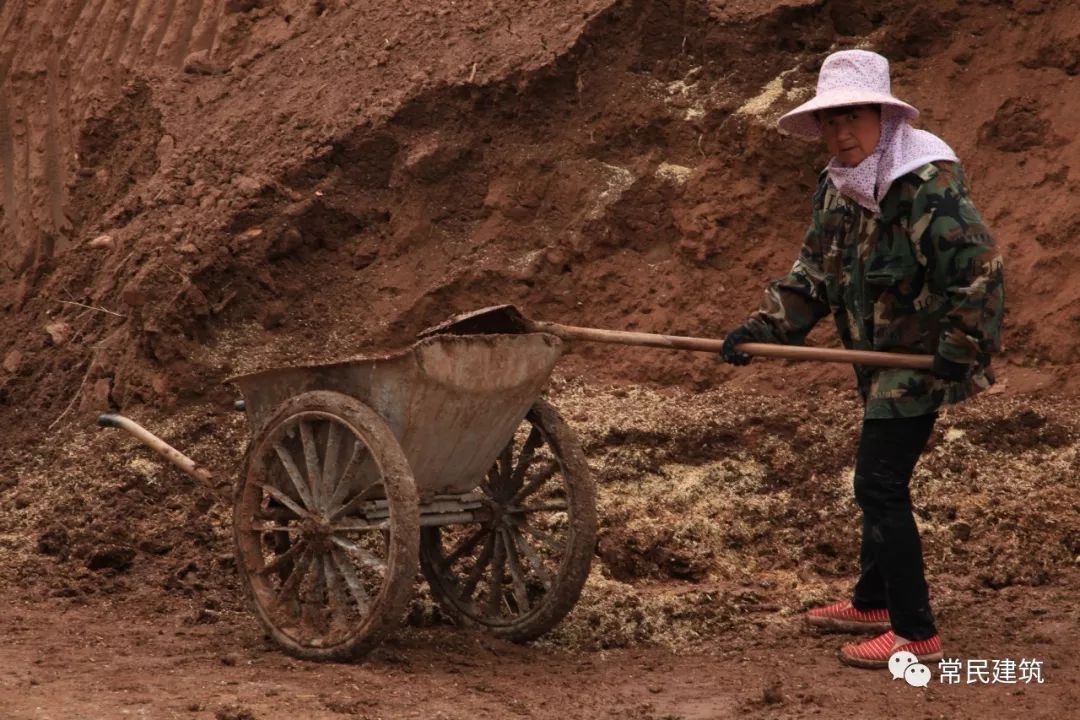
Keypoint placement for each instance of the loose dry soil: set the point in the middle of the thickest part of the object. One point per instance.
(193, 189)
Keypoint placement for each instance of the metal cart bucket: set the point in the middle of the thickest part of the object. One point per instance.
(452, 402)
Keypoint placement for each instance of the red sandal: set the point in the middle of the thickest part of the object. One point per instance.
(842, 616)
(876, 653)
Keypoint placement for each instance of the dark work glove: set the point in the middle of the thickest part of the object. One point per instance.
(949, 370)
(737, 336)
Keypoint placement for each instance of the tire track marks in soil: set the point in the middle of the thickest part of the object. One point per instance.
(121, 30)
(59, 60)
(20, 136)
(140, 24)
(179, 36)
(205, 32)
(12, 17)
(7, 166)
(83, 30)
(159, 29)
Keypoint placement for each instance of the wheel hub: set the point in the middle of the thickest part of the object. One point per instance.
(497, 512)
(316, 530)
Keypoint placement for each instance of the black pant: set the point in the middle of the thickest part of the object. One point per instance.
(891, 553)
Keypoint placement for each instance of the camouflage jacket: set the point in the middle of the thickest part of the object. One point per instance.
(923, 276)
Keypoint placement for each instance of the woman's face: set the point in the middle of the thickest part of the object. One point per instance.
(851, 133)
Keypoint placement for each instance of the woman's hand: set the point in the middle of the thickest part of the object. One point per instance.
(949, 370)
(736, 337)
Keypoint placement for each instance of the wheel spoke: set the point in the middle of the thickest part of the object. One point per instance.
(294, 475)
(290, 589)
(490, 484)
(335, 591)
(543, 537)
(311, 461)
(534, 484)
(517, 577)
(283, 558)
(534, 559)
(353, 502)
(314, 598)
(505, 462)
(495, 582)
(314, 602)
(328, 481)
(528, 454)
(283, 499)
(463, 547)
(341, 488)
(362, 556)
(356, 588)
(478, 569)
(256, 527)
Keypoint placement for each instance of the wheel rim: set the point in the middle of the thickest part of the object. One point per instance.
(501, 571)
(315, 531)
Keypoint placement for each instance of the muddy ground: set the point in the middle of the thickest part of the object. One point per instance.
(723, 516)
(113, 660)
(195, 189)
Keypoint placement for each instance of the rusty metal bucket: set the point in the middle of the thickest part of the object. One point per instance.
(453, 402)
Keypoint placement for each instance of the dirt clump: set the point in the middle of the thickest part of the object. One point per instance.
(1018, 126)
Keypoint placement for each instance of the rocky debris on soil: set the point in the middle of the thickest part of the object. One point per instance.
(200, 63)
(53, 541)
(13, 361)
(1018, 125)
(111, 558)
(960, 530)
(58, 332)
(773, 693)
(204, 616)
(234, 712)
(1059, 53)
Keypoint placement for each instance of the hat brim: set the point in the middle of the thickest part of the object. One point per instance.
(801, 120)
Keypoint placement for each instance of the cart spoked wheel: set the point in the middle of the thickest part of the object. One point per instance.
(520, 571)
(327, 526)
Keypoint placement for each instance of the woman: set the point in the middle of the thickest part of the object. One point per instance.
(898, 254)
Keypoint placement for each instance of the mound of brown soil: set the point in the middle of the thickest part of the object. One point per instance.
(250, 184)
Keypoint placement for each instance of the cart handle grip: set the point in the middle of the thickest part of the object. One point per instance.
(162, 448)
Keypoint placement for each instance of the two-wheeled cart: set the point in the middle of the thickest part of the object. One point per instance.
(442, 453)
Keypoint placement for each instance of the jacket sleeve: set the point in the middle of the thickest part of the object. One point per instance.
(795, 303)
(964, 268)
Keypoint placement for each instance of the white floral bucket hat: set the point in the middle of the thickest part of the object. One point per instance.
(848, 77)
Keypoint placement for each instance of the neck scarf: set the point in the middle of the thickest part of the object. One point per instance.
(900, 150)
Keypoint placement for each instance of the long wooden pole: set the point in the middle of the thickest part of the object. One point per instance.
(788, 352)
(159, 446)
